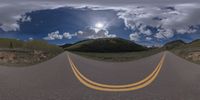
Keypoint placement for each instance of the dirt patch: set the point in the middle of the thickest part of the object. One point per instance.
(194, 56)
(20, 58)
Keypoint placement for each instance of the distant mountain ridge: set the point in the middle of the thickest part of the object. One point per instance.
(174, 44)
(106, 45)
(189, 51)
(121, 45)
(178, 44)
(195, 43)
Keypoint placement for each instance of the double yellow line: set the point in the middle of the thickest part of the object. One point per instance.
(116, 88)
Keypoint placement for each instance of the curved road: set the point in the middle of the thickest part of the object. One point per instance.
(55, 79)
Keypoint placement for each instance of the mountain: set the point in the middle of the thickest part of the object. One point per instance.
(106, 45)
(179, 44)
(174, 44)
(65, 45)
(189, 51)
(195, 43)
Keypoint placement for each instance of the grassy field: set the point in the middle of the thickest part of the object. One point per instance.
(29, 45)
(53, 50)
(191, 54)
(189, 51)
(22, 53)
(119, 57)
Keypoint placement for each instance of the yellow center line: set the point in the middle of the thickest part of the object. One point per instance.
(117, 88)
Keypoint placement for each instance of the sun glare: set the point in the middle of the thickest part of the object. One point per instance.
(99, 25)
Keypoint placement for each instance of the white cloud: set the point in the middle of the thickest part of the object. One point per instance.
(54, 35)
(169, 20)
(9, 27)
(148, 38)
(30, 38)
(144, 30)
(25, 18)
(80, 32)
(67, 35)
(12, 25)
(58, 36)
(134, 36)
(89, 33)
(92, 33)
(164, 34)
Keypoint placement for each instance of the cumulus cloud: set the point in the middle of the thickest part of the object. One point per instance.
(25, 18)
(92, 33)
(9, 27)
(148, 38)
(11, 24)
(67, 35)
(58, 36)
(79, 32)
(89, 33)
(134, 36)
(164, 33)
(30, 38)
(168, 20)
(54, 35)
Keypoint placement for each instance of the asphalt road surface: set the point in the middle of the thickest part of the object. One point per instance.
(169, 78)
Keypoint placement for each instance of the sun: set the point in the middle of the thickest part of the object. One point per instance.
(99, 25)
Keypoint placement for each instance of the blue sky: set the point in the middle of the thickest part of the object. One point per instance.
(149, 25)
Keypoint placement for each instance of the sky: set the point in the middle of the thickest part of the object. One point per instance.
(147, 22)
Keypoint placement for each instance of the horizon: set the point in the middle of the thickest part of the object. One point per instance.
(158, 46)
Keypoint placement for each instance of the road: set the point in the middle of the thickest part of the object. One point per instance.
(56, 79)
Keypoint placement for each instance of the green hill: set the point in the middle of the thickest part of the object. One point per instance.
(189, 51)
(174, 44)
(106, 45)
(195, 43)
(65, 45)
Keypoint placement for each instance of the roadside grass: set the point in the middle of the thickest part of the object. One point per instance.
(10, 43)
(53, 50)
(189, 51)
(118, 57)
(185, 53)
(13, 44)
(26, 52)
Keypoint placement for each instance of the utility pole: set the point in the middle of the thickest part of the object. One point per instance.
(11, 45)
